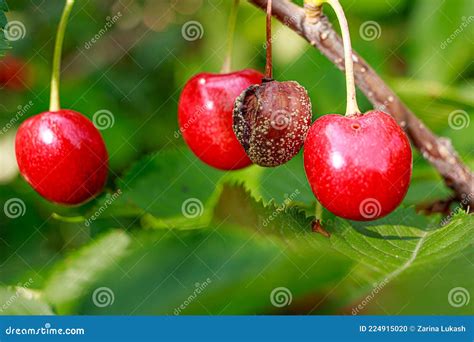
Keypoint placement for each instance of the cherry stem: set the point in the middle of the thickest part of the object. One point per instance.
(318, 211)
(352, 107)
(69, 219)
(54, 104)
(268, 66)
(227, 66)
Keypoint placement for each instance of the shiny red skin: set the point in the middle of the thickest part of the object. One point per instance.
(14, 73)
(359, 167)
(62, 156)
(205, 117)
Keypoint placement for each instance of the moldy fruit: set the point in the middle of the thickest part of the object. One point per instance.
(271, 121)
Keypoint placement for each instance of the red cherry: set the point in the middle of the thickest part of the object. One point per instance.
(14, 73)
(205, 117)
(358, 166)
(62, 156)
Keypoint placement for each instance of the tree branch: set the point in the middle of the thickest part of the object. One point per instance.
(437, 150)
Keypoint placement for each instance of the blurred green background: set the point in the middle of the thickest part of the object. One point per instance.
(135, 70)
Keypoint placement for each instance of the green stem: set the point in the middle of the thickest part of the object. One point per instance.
(54, 104)
(318, 211)
(69, 219)
(227, 66)
(352, 107)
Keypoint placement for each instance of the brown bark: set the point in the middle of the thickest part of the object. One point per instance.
(317, 30)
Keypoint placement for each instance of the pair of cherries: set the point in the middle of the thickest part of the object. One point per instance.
(358, 166)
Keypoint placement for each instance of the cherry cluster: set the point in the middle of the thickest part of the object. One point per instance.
(358, 165)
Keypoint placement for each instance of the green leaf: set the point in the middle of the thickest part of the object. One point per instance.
(431, 289)
(280, 184)
(71, 278)
(239, 269)
(249, 250)
(403, 242)
(3, 22)
(284, 221)
(22, 301)
(173, 186)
